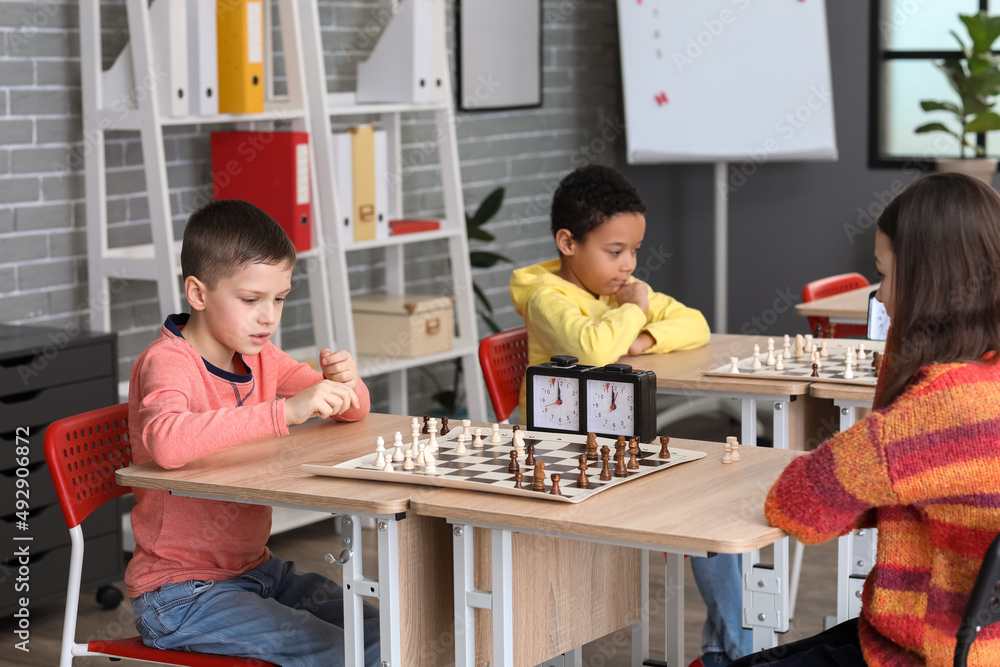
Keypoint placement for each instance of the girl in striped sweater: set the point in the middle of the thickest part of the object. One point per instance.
(924, 467)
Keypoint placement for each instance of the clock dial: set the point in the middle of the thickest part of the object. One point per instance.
(611, 407)
(556, 402)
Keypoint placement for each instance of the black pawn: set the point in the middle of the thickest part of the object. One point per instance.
(815, 371)
(530, 460)
(513, 467)
(518, 479)
(426, 429)
(444, 426)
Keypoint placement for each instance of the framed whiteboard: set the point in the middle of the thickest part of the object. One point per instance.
(499, 54)
(726, 80)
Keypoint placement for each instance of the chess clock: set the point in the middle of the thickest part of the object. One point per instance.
(565, 397)
(554, 391)
(621, 401)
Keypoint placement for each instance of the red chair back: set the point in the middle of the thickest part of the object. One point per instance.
(83, 452)
(503, 357)
(824, 287)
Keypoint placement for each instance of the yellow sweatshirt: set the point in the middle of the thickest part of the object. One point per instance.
(565, 319)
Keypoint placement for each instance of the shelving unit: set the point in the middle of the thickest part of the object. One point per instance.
(309, 107)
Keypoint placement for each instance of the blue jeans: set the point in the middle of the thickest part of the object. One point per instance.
(272, 612)
(720, 582)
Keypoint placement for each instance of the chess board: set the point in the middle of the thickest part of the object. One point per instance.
(831, 368)
(486, 469)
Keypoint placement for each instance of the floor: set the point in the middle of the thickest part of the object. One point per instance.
(307, 546)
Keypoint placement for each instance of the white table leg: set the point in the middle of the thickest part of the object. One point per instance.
(673, 583)
(642, 641)
(503, 597)
(765, 596)
(388, 592)
(465, 611)
(354, 640)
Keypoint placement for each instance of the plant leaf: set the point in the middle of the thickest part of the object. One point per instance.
(932, 105)
(484, 259)
(984, 122)
(488, 208)
(479, 234)
(483, 299)
(935, 127)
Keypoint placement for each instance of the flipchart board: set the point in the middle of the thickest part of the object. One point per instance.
(726, 80)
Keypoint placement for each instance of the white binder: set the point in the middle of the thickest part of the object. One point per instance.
(203, 58)
(342, 166)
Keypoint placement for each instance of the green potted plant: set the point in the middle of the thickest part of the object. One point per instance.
(975, 77)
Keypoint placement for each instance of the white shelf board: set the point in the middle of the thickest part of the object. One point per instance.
(403, 239)
(370, 365)
(345, 104)
(110, 119)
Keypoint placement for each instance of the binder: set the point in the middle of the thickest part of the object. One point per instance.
(203, 62)
(240, 36)
(360, 163)
(269, 170)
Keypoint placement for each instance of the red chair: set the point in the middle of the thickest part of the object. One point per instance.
(504, 356)
(824, 287)
(82, 454)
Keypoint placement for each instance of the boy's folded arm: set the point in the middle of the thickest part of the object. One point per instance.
(598, 343)
(353, 414)
(673, 325)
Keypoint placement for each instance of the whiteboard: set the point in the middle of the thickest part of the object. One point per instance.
(726, 80)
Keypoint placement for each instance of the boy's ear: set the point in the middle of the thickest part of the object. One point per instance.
(565, 242)
(194, 292)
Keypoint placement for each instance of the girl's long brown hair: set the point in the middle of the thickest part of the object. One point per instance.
(945, 233)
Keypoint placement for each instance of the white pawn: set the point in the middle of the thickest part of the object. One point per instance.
(477, 442)
(429, 460)
(727, 456)
(466, 429)
(800, 345)
(823, 352)
(770, 361)
(397, 442)
(419, 458)
(408, 462)
(848, 372)
(809, 343)
(495, 438)
(756, 365)
(460, 449)
(734, 364)
(788, 347)
(388, 465)
(861, 352)
(734, 448)
(379, 452)
(815, 358)
(779, 365)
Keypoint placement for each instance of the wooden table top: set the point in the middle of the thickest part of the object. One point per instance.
(701, 505)
(850, 392)
(852, 304)
(682, 370)
(268, 469)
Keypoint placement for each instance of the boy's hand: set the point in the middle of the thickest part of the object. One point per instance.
(323, 399)
(641, 343)
(339, 366)
(634, 292)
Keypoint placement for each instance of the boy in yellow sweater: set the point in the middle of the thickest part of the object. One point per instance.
(588, 304)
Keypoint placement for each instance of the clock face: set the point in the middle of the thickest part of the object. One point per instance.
(611, 407)
(556, 402)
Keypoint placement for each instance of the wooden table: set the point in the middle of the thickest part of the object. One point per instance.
(844, 308)
(413, 585)
(703, 506)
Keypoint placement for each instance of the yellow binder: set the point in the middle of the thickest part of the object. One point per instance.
(240, 32)
(363, 187)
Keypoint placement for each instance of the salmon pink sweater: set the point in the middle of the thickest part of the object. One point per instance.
(181, 409)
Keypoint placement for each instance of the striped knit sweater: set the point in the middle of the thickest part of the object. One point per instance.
(929, 467)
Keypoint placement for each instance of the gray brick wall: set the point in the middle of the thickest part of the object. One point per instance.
(42, 220)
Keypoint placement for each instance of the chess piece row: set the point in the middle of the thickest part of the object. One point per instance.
(731, 450)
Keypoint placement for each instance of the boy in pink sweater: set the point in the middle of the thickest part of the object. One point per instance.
(202, 577)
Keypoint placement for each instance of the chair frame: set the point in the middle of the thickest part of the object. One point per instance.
(83, 453)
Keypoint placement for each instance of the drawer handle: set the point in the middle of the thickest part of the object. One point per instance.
(26, 360)
(433, 325)
(20, 398)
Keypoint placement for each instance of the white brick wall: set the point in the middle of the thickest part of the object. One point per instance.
(42, 243)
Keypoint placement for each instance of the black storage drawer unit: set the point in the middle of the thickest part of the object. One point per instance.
(45, 375)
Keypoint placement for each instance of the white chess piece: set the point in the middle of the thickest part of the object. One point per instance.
(734, 364)
(419, 458)
(460, 448)
(388, 465)
(861, 352)
(429, 460)
(379, 452)
(519, 443)
(477, 442)
(397, 442)
(432, 443)
(756, 365)
(770, 361)
(734, 448)
(408, 462)
(467, 429)
(495, 437)
(823, 352)
(848, 372)
(779, 364)
(809, 343)
(800, 345)
(788, 347)
(414, 439)
(727, 456)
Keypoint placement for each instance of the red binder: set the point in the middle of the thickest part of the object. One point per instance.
(269, 170)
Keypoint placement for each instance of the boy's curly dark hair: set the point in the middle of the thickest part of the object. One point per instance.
(590, 195)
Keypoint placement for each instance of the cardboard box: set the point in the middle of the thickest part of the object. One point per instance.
(403, 325)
